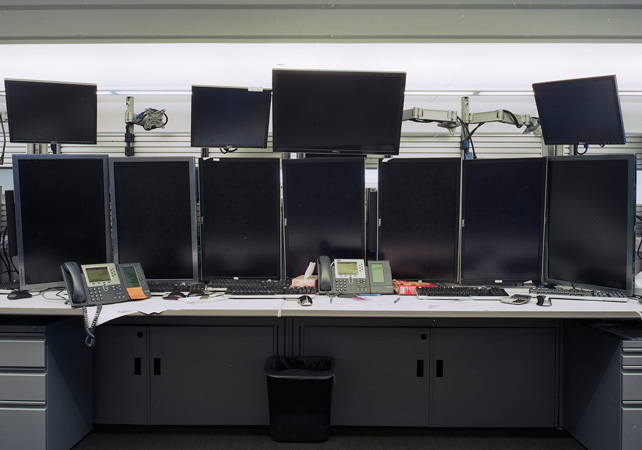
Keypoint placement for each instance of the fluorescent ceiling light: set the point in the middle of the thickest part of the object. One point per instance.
(506, 93)
(439, 93)
(153, 92)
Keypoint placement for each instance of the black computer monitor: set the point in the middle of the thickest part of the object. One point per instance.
(590, 231)
(46, 112)
(502, 216)
(419, 217)
(62, 214)
(580, 111)
(337, 112)
(240, 206)
(230, 117)
(324, 210)
(154, 216)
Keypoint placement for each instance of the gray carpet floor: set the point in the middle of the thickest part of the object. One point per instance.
(341, 438)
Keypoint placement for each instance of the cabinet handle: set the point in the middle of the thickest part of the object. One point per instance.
(420, 368)
(157, 366)
(137, 366)
(440, 368)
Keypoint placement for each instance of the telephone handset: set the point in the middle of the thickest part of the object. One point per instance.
(94, 284)
(353, 276)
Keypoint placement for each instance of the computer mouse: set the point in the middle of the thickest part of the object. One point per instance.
(543, 300)
(17, 295)
(305, 300)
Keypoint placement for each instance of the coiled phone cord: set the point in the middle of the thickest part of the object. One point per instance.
(90, 340)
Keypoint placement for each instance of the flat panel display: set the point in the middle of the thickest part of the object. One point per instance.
(503, 210)
(324, 210)
(154, 216)
(45, 112)
(240, 207)
(590, 232)
(337, 112)
(419, 214)
(230, 117)
(62, 214)
(580, 111)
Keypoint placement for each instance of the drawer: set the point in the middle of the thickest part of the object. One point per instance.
(632, 357)
(631, 428)
(27, 352)
(26, 387)
(23, 428)
(632, 386)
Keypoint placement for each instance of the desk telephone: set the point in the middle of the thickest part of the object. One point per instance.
(353, 276)
(97, 284)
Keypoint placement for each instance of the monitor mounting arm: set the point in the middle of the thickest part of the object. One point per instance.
(500, 115)
(444, 119)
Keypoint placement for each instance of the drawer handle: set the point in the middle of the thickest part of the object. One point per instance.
(137, 366)
(440, 368)
(420, 368)
(157, 366)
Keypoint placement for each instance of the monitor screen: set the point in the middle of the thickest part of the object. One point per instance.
(324, 210)
(240, 206)
(62, 215)
(590, 232)
(337, 112)
(419, 217)
(580, 111)
(502, 212)
(230, 117)
(154, 216)
(45, 112)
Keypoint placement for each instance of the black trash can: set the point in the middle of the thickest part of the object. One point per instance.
(299, 397)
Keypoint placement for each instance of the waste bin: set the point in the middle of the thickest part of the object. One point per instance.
(299, 397)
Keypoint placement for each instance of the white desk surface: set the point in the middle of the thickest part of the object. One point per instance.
(372, 306)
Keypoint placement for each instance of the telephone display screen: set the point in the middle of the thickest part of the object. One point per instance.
(98, 274)
(131, 279)
(376, 270)
(347, 268)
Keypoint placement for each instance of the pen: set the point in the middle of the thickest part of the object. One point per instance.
(397, 299)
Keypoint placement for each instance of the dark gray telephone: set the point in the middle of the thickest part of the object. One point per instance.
(353, 276)
(99, 284)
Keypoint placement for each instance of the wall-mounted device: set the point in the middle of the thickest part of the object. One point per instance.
(353, 276)
(97, 284)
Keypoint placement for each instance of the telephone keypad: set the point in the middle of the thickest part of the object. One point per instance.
(101, 294)
(343, 285)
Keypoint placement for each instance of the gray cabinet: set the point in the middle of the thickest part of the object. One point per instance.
(45, 384)
(380, 376)
(437, 373)
(603, 386)
(493, 377)
(183, 375)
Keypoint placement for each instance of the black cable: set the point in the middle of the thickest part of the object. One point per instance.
(4, 142)
(226, 150)
(468, 136)
(515, 121)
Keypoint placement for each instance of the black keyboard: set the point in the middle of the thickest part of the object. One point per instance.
(10, 286)
(258, 287)
(580, 294)
(163, 286)
(427, 292)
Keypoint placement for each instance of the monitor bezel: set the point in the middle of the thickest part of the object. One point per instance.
(333, 73)
(277, 206)
(16, 159)
(311, 161)
(617, 109)
(630, 221)
(503, 281)
(266, 92)
(195, 278)
(13, 139)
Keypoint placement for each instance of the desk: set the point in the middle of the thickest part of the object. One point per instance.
(435, 363)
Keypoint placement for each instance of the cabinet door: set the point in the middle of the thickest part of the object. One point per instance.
(493, 377)
(120, 375)
(381, 374)
(210, 375)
